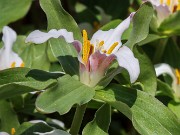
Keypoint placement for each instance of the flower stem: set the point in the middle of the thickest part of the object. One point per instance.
(77, 120)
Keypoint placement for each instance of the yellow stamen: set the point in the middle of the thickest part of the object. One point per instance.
(22, 64)
(86, 46)
(168, 2)
(112, 48)
(101, 43)
(13, 131)
(13, 64)
(177, 71)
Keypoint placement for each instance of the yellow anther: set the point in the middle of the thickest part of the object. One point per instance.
(13, 64)
(86, 47)
(101, 43)
(13, 131)
(168, 2)
(112, 48)
(177, 71)
(22, 64)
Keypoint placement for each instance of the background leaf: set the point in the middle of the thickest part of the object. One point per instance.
(17, 81)
(8, 118)
(149, 116)
(12, 10)
(141, 21)
(147, 75)
(100, 123)
(66, 53)
(64, 95)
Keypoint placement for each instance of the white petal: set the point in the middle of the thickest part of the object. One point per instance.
(153, 2)
(7, 56)
(39, 37)
(164, 69)
(163, 12)
(126, 59)
(9, 37)
(3, 133)
(113, 35)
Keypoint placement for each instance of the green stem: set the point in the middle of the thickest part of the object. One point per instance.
(77, 120)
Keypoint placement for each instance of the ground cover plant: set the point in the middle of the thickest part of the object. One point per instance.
(72, 67)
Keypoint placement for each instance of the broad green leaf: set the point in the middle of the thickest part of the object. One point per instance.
(149, 116)
(8, 118)
(64, 95)
(175, 107)
(100, 123)
(147, 73)
(164, 89)
(12, 10)
(34, 56)
(17, 81)
(58, 18)
(171, 24)
(30, 128)
(150, 38)
(141, 21)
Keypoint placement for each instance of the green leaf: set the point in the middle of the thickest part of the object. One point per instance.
(17, 81)
(149, 116)
(8, 118)
(100, 123)
(13, 10)
(141, 21)
(64, 95)
(150, 38)
(175, 107)
(164, 89)
(29, 128)
(66, 53)
(34, 56)
(171, 24)
(147, 75)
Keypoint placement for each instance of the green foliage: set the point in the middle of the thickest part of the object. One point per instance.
(8, 118)
(12, 10)
(145, 111)
(17, 81)
(69, 90)
(141, 21)
(100, 123)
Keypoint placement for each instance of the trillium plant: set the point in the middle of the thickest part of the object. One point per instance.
(98, 68)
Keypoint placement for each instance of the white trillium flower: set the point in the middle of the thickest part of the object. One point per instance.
(164, 8)
(174, 73)
(97, 54)
(8, 58)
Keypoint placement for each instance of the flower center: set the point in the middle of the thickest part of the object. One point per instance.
(172, 4)
(89, 48)
(177, 72)
(86, 47)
